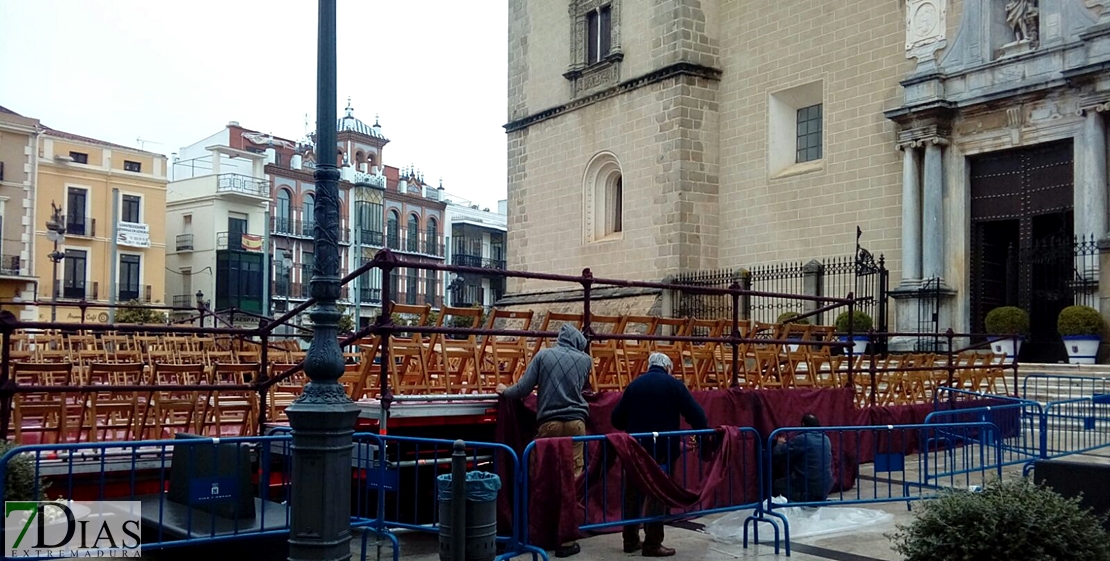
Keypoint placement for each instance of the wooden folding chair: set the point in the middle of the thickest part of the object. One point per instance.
(53, 417)
(283, 392)
(705, 356)
(456, 360)
(634, 352)
(237, 408)
(676, 327)
(504, 357)
(609, 373)
(116, 414)
(553, 321)
(174, 410)
(408, 354)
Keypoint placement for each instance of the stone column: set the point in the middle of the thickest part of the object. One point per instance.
(1090, 198)
(932, 212)
(911, 213)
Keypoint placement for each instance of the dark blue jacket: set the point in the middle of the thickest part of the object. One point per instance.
(653, 402)
(809, 459)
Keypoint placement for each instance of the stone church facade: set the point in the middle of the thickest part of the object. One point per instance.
(652, 137)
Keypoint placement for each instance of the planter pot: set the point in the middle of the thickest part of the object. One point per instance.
(1082, 349)
(793, 347)
(859, 344)
(1006, 345)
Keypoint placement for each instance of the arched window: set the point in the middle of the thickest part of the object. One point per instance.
(431, 240)
(413, 233)
(309, 218)
(392, 233)
(283, 222)
(603, 188)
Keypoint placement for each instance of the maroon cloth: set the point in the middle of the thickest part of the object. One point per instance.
(555, 506)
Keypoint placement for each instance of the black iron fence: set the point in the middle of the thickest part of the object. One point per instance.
(861, 275)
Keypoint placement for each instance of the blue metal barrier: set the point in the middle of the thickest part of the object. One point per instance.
(1021, 425)
(400, 475)
(143, 471)
(1076, 426)
(795, 462)
(686, 467)
(1045, 388)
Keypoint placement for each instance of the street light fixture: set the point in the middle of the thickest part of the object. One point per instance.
(55, 232)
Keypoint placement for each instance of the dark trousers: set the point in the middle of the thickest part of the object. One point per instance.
(639, 505)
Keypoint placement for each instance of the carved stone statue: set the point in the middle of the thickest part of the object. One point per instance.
(1021, 16)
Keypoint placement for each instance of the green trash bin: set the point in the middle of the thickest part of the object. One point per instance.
(481, 515)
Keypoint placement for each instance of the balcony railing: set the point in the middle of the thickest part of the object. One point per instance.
(419, 245)
(11, 265)
(465, 260)
(184, 242)
(370, 295)
(81, 226)
(243, 185)
(77, 291)
(235, 241)
(468, 295)
(184, 300)
(282, 226)
(142, 294)
(371, 238)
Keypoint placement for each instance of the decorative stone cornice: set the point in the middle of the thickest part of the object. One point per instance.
(667, 72)
(921, 136)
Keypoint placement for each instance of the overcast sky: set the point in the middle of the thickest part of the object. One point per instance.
(172, 73)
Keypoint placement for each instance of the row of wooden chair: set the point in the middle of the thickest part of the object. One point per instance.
(123, 411)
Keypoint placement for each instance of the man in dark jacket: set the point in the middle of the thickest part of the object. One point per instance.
(561, 374)
(653, 402)
(807, 459)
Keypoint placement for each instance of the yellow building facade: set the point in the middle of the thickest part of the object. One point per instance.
(111, 200)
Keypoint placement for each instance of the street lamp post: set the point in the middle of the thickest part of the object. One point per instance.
(55, 232)
(323, 417)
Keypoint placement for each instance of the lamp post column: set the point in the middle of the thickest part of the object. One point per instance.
(323, 418)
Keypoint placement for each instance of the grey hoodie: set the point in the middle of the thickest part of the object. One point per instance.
(561, 373)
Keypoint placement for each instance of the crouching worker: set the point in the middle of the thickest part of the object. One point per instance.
(653, 402)
(807, 461)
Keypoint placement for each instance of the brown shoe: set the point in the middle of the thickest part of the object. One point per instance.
(657, 551)
(633, 547)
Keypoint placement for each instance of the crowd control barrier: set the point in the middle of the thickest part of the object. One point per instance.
(724, 466)
(1045, 388)
(250, 476)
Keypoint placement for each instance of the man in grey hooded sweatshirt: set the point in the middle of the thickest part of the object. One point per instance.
(561, 372)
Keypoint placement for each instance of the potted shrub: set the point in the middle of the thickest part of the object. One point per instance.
(861, 324)
(1081, 329)
(21, 484)
(789, 317)
(1011, 520)
(1002, 325)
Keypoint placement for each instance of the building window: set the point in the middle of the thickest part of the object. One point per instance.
(795, 141)
(128, 277)
(277, 159)
(283, 223)
(73, 283)
(412, 288)
(239, 281)
(431, 244)
(309, 218)
(598, 34)
(604, 195)
(595, 51)
(430, 283)
(131, 206)
(808, 145)
(236, 227)
(76, 211)
(392, 232)
(413, 234)
(79, 157)
(136, 167)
